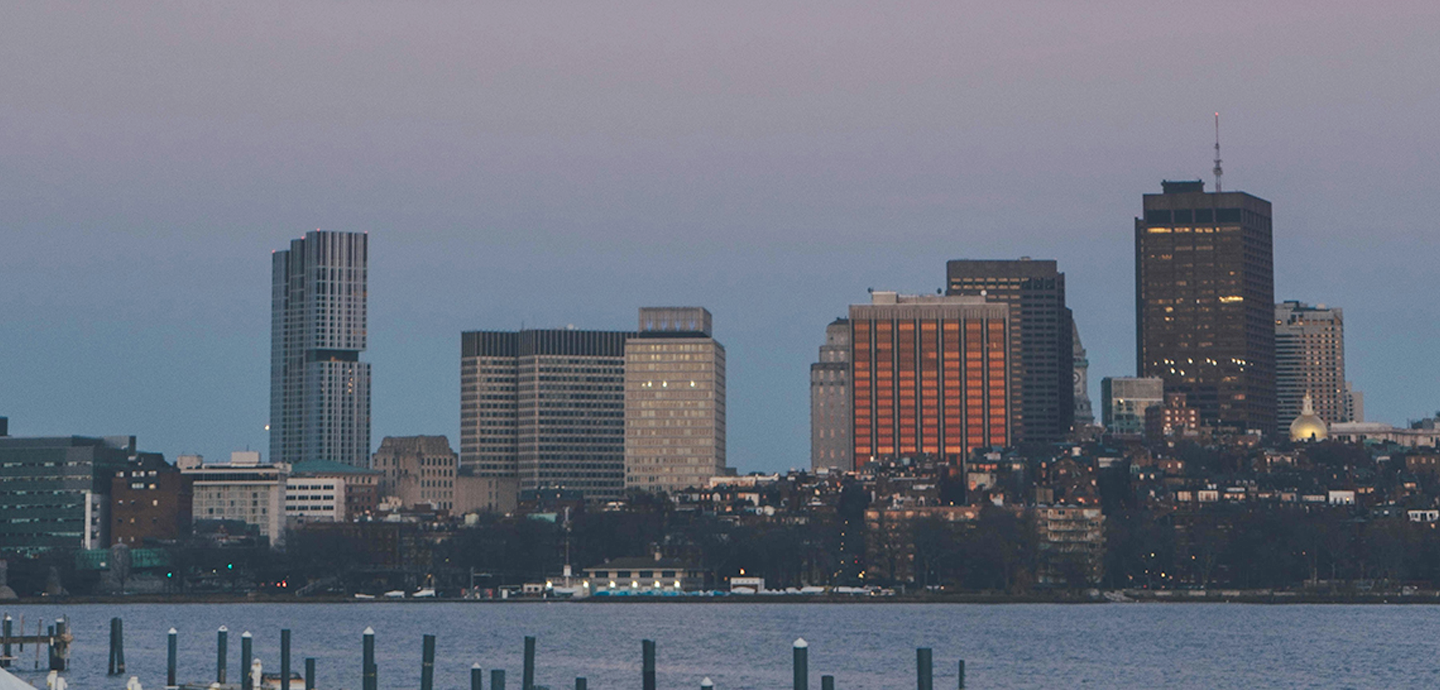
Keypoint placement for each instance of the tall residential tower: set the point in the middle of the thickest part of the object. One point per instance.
(1205, 303)
(1310, 359)
(319, 388)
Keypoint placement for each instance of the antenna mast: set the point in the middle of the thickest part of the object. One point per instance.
(1218, 171)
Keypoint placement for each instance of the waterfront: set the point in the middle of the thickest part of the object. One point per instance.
(865, 646)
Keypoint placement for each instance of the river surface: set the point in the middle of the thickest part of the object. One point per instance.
(865, 646)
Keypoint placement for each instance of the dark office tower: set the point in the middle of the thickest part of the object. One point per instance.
(1205, 303)
(1042, 375)
(319, 388)
(929, 376)
(546, 407)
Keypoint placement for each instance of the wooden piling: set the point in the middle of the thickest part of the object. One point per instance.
(309, 673)
(527, 677)
(802, 664)
(369, 680)
(497, 679)
(477, 677)
(170, 659)
(117, 647)
(285, 659)
(581, 684)
(924, 670)
(647, 664)
(8, 630)
(222, 649)
(427, 663)
(827, 682)
(962, 674)
(247, 652)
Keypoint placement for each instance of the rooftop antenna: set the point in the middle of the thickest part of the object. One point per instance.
(1218, 171)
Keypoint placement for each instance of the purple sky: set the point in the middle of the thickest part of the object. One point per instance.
(554, 163)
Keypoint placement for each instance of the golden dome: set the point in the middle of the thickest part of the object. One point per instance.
(1308, 426)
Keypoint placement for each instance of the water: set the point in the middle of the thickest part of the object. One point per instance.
(865, 646)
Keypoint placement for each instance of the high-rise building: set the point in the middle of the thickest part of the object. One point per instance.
(1204, 303)
(674, 401)
(930, 376)
(1309, 358)
(242, 490)
(546, 408)
(319, 388)
(1125, 401)
(1042, 369)
(56, 491)
(1084, 412)
(830, 410)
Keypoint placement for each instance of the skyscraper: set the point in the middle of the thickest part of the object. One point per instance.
(674, 401)
(830, 401)
(1204, 302)
(545, 407)
(319, 388)
(931, 376)
(1042, 370)
(1309, 358)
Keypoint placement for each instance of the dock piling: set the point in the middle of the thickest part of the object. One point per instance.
(497, 679)
(8, 628)
(962, 674)
(247, 652)
(527, 677)
(802, 664)
(369, 681)
(222, 649)
(285, 658)
(924, 670)
(827, 682)
(117, 646)
(581, 684)
(171, 646)
(427, 663)
(309, 673)
(647, 664)
(477, 677)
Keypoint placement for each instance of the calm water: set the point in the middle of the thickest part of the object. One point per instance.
(868, 646)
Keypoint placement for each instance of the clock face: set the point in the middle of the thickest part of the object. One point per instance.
(1077, 377)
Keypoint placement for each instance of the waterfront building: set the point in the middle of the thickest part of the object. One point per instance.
(674, 401)
(1310, 360)
(1070, 544)
(417, 470)
(1041, 330)
(1204, 302)
(830, 409)
(319, 388)
(150, 500)
(1084, 412)
(319, 490)
(56, 493)
(545, 408)
(641, 574)
(1126, 400)
(931, 376)
(243, 490)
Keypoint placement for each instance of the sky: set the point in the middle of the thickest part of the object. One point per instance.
(544, 164)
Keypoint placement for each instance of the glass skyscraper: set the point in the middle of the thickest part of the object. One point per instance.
(319, 388)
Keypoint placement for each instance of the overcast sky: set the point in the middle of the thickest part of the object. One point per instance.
(553, 163)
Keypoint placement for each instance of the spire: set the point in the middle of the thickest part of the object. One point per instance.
(1309, 408)
(1218, 171)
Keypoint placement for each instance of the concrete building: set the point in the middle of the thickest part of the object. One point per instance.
(545, 408)
(323, 491)
(830, 410)
(243, 490)
(1310, 359)
(150, 500)
(418, 470)
(931, 376)
(674, 401)
(1084, 411)
(477, 494)
(1204, 302)
(1126, 400)
(1041, 330)
(319, 388)
(56, 491)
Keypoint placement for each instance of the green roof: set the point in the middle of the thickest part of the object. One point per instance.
(327, 467)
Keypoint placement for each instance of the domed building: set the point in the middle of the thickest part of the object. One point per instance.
(1308, 426)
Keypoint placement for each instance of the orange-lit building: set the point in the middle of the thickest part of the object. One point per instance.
(930, 376)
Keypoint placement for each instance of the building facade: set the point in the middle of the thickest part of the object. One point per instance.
(1204, 302)
(930, 376)
(418, 469)
(674, 401)
(1310, 358)
(150, 500)
(830, 409)
(321, 491)
(1084, 411)
(242, 490)
(1125, 401)
(319, 388)
(545, 408)
(1042, 368)
(56, 491)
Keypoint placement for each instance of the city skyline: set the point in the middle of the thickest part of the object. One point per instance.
(589, 179)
